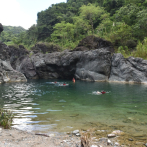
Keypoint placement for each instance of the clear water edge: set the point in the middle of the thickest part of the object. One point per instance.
(43, 107)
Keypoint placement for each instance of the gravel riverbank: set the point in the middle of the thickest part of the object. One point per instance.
(17, 138)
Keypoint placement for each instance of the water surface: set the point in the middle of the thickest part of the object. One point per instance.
(41, 106)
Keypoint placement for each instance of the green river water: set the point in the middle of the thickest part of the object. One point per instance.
(40, 106)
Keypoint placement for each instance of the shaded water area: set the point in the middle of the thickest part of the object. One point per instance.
(41, 106)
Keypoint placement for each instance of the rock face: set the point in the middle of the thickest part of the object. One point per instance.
(92, 42)
(45, 48)
(91, 60)
(94, 65)
(17, 53)
(88, 65)
(1, 28)
(128, 70)
(7, 73)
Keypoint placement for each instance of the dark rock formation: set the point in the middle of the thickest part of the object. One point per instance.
(16, 52)
(92, 42)
(1, 28)
(128, 70)
(7, 73)
(45, 48)
(88, 65)
(25, 66)
(4, 55)
(94, 65)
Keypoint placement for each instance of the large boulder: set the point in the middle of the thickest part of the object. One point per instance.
(7, 73)
(15, 53)
(55, 65)
(92, 42)
(94, 65)
(4, 55)
(128, 70)
(88, 65)
(1, 28)
(45, 48)
(25, 66)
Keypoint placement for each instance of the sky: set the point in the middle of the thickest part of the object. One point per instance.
(23, 12)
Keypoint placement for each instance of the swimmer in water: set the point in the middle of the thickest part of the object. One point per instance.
(73, 80)
(98, 92)
(103, 92)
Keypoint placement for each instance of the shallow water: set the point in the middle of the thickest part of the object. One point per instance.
(42, 106)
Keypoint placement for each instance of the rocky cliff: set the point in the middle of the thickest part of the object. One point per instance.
(91, 64)
(1, 28)
(7, 73)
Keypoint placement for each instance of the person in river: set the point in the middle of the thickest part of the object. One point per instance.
(102, 92)
(73, 80)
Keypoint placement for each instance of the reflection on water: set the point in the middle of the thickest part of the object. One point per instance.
(42, 106)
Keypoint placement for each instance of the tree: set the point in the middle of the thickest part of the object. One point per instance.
(92, 14)
(127, 14)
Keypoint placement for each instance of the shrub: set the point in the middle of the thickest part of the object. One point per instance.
(6, 118)
(141, 50)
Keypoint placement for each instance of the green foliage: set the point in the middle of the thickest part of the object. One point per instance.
(124, 51)
(141, 49)
(119, 35)
(127, 14)
(140, 29)
(12, 35)
(14, 30)
(92, 15)
(123, 22)
(6, 118)
(112, 5)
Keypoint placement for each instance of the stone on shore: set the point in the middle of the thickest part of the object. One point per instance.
(111, 135)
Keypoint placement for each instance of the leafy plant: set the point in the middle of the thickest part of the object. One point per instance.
(141, 49)
(6, 118)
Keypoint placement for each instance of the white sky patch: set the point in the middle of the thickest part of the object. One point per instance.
(12, 14)
(23, 12)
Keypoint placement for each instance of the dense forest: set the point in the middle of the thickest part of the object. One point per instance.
(123, 22)
(10, 33)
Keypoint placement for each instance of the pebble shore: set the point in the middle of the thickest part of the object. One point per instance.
(17, 138)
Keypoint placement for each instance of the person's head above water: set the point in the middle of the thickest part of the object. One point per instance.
(103, 92)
